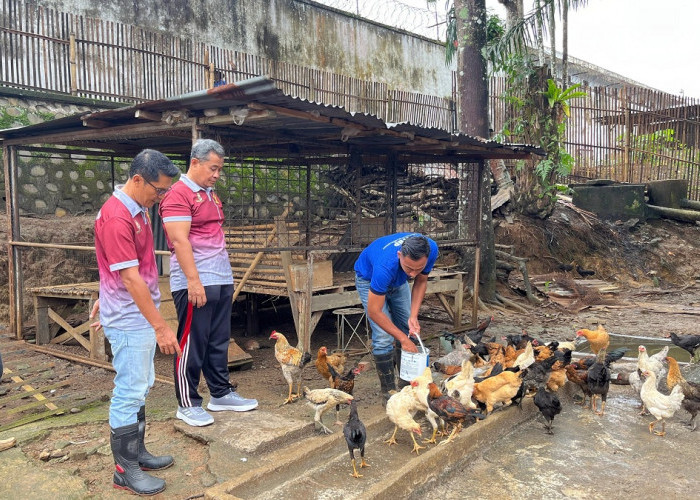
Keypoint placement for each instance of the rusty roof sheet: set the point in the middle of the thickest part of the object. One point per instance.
(256, 116)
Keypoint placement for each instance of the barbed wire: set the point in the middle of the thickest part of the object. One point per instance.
(428, 21)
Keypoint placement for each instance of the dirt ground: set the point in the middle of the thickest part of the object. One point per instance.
(655, 267)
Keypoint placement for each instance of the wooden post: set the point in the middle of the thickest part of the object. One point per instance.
(459, 303)
(14, 260)
(475, 296)
(73, 65)
(207, 76)
(212, 78)
(627, 166)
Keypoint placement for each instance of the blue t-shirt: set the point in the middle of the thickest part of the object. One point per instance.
(379, 263)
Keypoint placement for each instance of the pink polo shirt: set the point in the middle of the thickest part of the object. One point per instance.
(123, 239)
(202, 208)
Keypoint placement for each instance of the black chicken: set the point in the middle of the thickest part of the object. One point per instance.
(548, 404)
(356, 436)
(520, 341)
(598, 378)
(538, 373)
(611, 357)
(690, 343)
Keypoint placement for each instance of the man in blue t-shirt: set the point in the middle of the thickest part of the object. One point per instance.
(382, 272)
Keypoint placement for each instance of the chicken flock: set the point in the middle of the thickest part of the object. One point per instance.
(480, 376)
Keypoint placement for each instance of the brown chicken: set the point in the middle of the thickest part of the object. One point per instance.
(542, 352)
(292, 361)
(691, 390)
(500, 388)
(579, 377)
(557, 378)
(345, 383)
(323, 359)
(448, 409)
(598, 339)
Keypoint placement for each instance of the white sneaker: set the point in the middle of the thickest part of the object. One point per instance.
(232, 401)
(195, 416)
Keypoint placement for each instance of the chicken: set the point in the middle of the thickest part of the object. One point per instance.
(323, 400)
(580, 378)
(691, 390)
(658, 404)
(448, 409)
(690, 343)
(520, 341)
(454, 357)
(557, 378)
(323, 359)
(566, 345)
(477, 334)
(653, 363)
(611, 357)
(500, 388)
(543, 352)
(549, 405)
(525, 358)
(355, 436)
(292, 361)
(420, 392)
(598, 339)
(538, 372)
(598, 378)
(461, 386)
(345, 383)
(400, 409)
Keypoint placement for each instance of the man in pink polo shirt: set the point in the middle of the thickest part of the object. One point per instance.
(129, 301)
(201, 282)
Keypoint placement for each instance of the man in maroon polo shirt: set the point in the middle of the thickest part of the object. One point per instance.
(128, 305)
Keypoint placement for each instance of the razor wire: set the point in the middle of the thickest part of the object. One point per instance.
(427, 20)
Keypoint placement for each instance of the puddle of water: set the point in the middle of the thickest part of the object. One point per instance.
(632, 342)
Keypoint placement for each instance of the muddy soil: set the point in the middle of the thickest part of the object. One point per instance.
(655, 265)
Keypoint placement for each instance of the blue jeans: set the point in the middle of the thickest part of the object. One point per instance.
(397, 307)
(133, 361)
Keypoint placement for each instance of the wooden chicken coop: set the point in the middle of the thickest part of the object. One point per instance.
(305, 186)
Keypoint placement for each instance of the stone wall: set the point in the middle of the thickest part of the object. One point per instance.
(56, 183)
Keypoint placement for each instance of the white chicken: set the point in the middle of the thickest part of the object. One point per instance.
(653, 363)
(461, 385)
(420, 392)
(400, 409)
(323, 400)
(525, 358)
(658, 404)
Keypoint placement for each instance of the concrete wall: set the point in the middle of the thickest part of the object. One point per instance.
(295, 31)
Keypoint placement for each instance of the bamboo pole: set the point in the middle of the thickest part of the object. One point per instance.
(55, 246)
(85, 361)
(73, 65)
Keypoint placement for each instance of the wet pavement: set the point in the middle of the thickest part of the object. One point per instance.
(591, 457)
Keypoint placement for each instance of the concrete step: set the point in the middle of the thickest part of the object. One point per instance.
(319, 466)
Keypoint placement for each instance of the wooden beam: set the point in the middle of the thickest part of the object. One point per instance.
(69, 329)
(92, 123)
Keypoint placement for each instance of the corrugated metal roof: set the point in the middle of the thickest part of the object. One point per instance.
(257, 116)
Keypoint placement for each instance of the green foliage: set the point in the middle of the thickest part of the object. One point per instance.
(495, 29)
(560, 97)
(654, 148)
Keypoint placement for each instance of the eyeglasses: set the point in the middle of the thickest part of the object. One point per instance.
(159, 191)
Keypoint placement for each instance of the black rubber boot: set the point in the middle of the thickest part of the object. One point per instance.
(385, 372)
(146, 460)
(397, 361)
(128, 476)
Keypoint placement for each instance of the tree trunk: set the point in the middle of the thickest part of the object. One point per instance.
(531, 197)
(473, 120)
(538, 30)
(564, 43)
(552, 40)
(514, 11)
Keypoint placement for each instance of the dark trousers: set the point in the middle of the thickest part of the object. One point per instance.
(203, 334)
